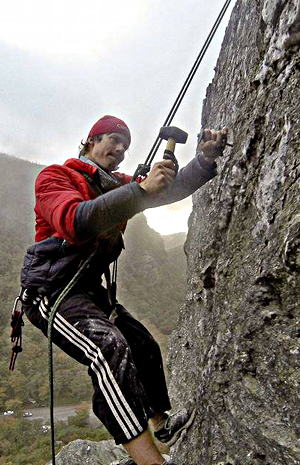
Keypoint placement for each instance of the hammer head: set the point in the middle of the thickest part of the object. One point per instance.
(172, 132)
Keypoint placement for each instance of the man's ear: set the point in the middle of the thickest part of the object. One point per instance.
(90, 140)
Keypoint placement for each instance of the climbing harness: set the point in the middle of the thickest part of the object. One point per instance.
(144, 168)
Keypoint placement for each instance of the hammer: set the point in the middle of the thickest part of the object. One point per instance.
(173, 135)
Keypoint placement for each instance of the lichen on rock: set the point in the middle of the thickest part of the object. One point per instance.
(81, 452)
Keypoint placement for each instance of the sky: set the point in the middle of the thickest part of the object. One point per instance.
(66, 63)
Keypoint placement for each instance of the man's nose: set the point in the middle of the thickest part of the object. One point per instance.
(121, 148)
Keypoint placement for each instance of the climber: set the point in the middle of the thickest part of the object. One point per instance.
(81, 210)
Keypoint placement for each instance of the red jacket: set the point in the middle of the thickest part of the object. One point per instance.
(59, 190)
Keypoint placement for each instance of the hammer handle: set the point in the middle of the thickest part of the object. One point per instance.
(171, 145)
(169, 153)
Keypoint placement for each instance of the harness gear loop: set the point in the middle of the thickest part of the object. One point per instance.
(111, 283)
(16, 331)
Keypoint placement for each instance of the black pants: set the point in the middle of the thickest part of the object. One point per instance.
(124, 360)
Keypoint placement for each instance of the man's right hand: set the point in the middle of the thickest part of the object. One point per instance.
(160, 178)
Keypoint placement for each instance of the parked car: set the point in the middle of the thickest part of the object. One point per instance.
(8, 412)
(27, 414)
(46, 428)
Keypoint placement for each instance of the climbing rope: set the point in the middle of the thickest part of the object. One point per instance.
(54, 309)
(144, 168)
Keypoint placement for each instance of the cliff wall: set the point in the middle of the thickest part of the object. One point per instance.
(236, 353)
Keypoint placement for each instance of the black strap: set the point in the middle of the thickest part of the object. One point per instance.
(92, 183)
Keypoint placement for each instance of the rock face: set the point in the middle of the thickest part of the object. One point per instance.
(82, 452)
(236, 353)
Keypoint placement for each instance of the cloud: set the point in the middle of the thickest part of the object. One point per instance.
(72, 29)
(54, 102)
(170, 218)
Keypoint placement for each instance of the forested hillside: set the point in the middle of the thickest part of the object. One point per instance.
(151, 285)
(151, 280)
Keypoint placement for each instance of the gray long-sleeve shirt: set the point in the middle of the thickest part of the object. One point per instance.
(116, 206)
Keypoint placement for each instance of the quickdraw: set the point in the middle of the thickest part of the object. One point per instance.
(16, 331)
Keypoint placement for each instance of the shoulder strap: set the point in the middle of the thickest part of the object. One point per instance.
(111, 282)
(92, 183)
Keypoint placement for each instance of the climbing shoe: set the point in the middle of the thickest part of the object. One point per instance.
(174, 425)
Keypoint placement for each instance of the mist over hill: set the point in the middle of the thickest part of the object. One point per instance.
(174, 240)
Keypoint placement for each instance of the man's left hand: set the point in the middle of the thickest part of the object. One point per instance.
(213, 143)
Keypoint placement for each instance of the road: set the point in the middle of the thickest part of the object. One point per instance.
(60, 413)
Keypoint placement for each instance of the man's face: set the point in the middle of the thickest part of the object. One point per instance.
(108, 153)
